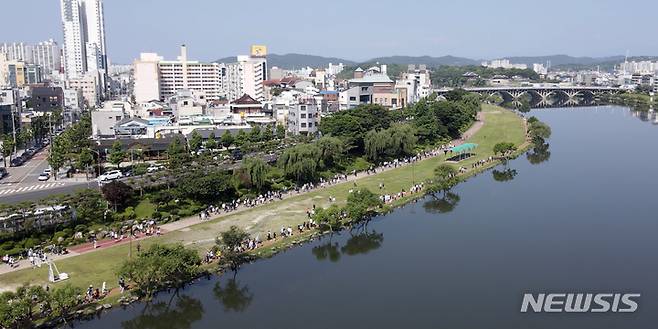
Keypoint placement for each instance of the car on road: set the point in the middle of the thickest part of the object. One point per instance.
(110, 175)
(154, 168)
(44, 177)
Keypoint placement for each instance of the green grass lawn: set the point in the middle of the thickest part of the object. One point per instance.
(144, 209)
(93, 268)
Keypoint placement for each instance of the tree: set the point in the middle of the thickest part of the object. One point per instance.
(161, 266)
(257, 170)
(539, 132)
(14, 310)
(329, 219)
(211, 143)
(196, 141)
(85, 160)
(227, 139)
(7, 148)
(58, 154)
(177, 154)
(240, 138)
(301, 162)
(64, 299)
(267, 134)
(361, 203)
(331, 151)
(117, 154)
(230, 243)
(254, 134)
(206, 186)
(445, 177)
(117, 193)
(280, 131)
(504, 148)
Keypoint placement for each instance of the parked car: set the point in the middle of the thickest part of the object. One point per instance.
(110, 175)
(3, 172)
(154, 168)
(44, 177)
(17, 162)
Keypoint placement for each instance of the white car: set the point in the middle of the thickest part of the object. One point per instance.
(154, 168)
(110, 175)
(44, 177)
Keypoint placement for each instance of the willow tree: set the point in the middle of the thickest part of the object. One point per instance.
(256, 169)
(301, 162)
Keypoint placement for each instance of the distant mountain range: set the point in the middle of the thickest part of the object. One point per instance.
(295, 61)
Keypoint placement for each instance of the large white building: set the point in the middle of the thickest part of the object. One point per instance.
(158, 79)
(84, 39)
(245, 76)
(504, 64)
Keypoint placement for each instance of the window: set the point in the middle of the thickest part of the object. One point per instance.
(303, 125)
(303, 116)
(352, 98)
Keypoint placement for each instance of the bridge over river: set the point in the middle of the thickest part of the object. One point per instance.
(542, 93)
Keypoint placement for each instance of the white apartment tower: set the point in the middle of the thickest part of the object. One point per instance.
(75, 58)
(245, 76)
(84, 39)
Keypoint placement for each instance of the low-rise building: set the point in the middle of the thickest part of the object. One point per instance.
(47, 99)
(304, 116)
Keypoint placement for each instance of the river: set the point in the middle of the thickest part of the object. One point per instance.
(577, 217)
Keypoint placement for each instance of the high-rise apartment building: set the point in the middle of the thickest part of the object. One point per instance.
(84, 39)
(246, 76)
(45, 54)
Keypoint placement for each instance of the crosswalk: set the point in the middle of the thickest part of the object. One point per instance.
(36, 187)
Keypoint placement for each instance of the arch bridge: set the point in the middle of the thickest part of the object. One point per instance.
(543, 93)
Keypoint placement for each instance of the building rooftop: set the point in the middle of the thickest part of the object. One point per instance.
(374, 78)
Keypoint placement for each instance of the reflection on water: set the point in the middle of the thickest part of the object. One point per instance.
(232, 295)
(179, 312)
(505, 175)
(539, 154)
(326, 251)
(363, 243)
(646, 116)
(441, 205)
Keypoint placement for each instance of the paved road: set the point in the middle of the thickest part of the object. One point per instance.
(28, 172)
(22, 183)
(38, 191)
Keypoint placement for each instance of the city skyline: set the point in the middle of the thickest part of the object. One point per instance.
(212, 35)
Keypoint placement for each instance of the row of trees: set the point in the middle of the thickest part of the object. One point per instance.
(73, 147)
(256, 135)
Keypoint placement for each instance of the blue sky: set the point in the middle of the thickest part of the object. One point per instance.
(356, 30)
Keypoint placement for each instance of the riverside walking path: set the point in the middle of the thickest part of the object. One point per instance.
(94, 266)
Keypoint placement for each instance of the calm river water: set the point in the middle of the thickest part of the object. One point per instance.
(578, 217)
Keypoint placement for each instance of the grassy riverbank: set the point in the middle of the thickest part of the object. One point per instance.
(100, 266)
(638, 101)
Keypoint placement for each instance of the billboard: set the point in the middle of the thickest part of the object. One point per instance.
(258, 51)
